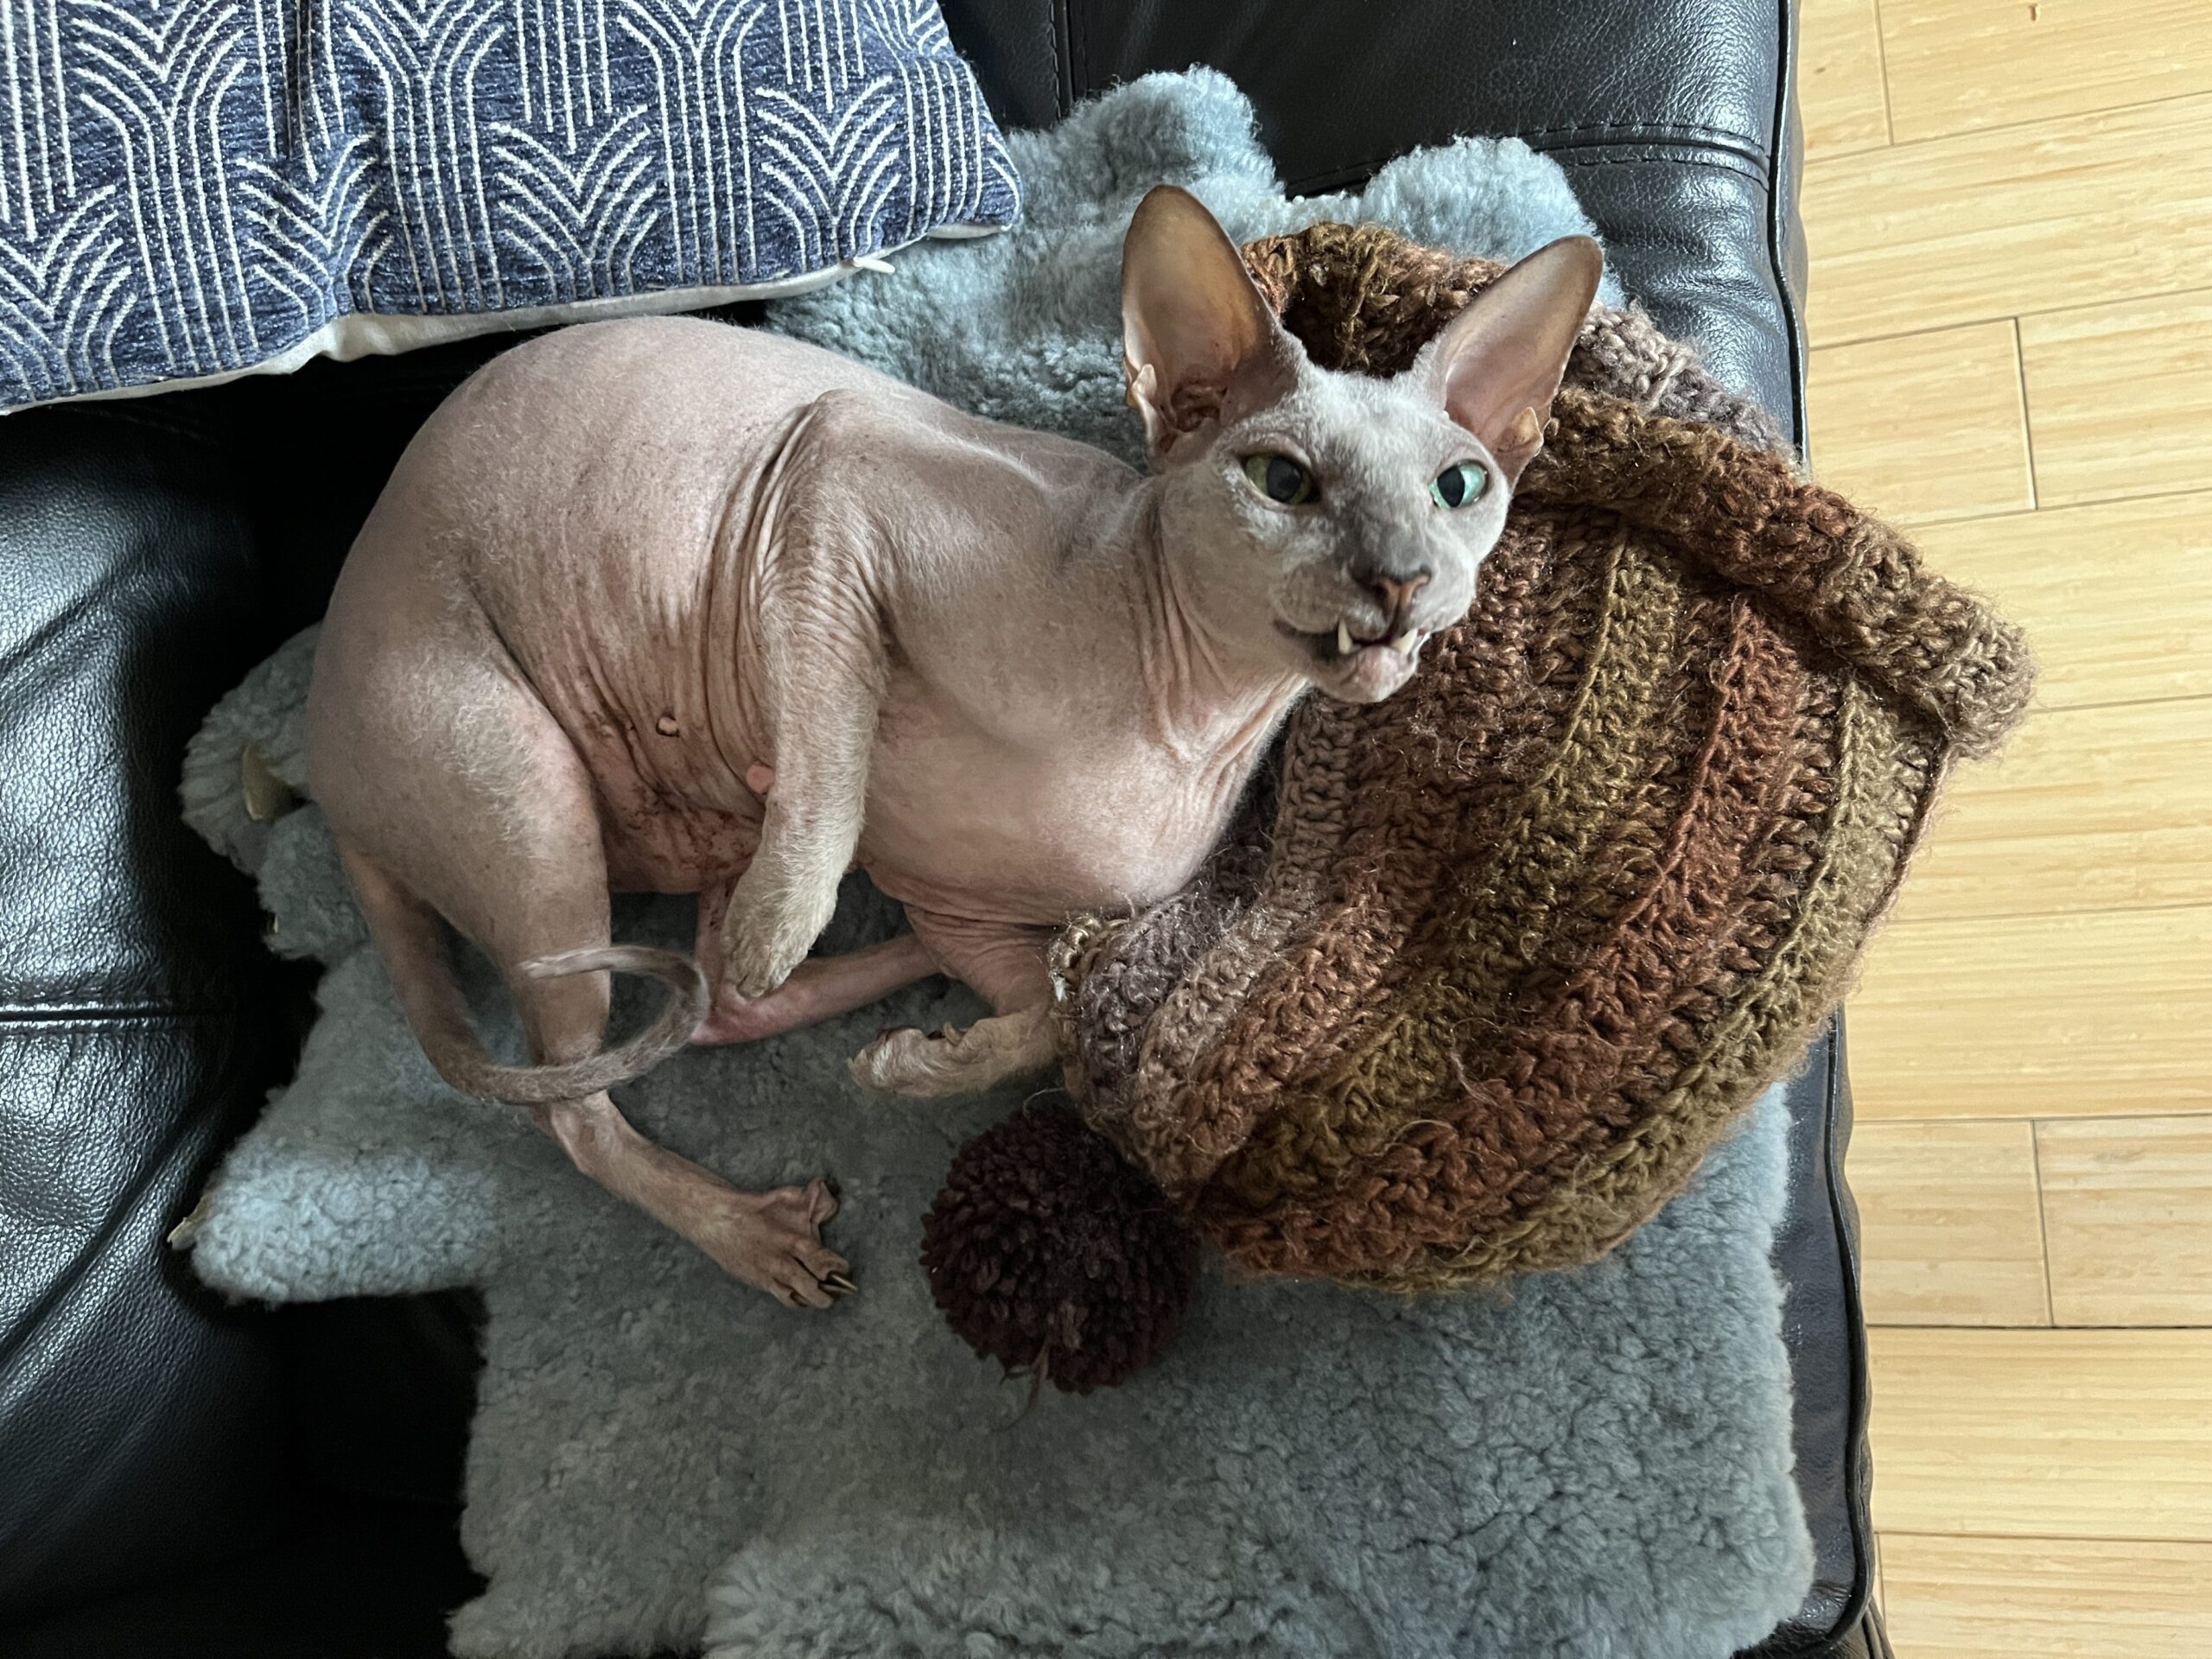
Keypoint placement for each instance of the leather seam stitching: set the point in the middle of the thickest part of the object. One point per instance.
(1728, 137)
(1063, 34)
(76, 1016)
(1630, 133)
(1718, 164)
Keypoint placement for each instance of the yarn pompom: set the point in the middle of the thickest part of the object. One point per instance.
(1050, 1254)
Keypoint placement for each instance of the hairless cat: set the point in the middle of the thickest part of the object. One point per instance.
(668, 606)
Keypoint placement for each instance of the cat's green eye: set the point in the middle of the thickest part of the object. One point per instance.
(1279, 479)
(1456, 486)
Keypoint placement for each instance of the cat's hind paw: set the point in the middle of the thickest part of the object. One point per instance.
(937, 1065)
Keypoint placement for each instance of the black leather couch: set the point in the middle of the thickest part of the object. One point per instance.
(178, 1477)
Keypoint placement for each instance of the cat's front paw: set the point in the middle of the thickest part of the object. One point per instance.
(765, 936)
(756, 961)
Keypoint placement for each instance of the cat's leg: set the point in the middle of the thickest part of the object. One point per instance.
(1004, 964)
(818, 988)
(488, 820)
(822, 694)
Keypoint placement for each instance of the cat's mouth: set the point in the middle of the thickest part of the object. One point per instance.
(1367, 665)
(1331, 647)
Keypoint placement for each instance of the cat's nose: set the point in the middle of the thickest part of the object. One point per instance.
(1397, 593)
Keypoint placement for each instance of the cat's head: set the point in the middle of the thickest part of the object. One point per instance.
(1331, 522)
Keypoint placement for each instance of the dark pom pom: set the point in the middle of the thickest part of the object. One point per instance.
(1051, 1254)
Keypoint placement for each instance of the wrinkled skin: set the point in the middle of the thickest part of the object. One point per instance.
(663, 605)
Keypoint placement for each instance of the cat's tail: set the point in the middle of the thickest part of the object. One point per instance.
(449, 1037)
(531, 1085)
(411, 938)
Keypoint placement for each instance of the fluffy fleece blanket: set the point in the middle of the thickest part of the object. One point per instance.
(1598, 1464)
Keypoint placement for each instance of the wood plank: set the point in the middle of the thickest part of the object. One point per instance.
(1949, 1229)
(2129, 1205)
(2116, 598)
(1959, 64)
(2046, 1598)
(2009, 221)
(2078, 1015)
(1921, 427)
(1840, 89)
(2085, 809)
(2121, 398)
(2042, 1433)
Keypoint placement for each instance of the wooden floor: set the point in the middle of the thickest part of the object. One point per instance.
(2009, 204)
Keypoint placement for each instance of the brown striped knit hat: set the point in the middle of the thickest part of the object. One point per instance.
(1487, 967)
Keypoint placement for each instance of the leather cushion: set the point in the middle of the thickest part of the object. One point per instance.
(139, 1025)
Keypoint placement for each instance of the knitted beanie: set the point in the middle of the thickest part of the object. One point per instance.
(1484, 970)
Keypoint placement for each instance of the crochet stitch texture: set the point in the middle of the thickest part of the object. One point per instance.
(1485, 970)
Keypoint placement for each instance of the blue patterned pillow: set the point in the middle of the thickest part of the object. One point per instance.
(193, 190)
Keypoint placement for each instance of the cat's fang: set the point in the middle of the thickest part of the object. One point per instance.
(1344, 638)
(1404, 644)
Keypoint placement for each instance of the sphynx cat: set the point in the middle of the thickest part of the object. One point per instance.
(665, 605)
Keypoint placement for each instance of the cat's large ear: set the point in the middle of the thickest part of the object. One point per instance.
(1497, 364)
(1198, 344)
